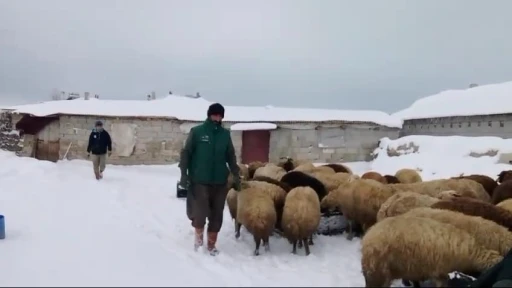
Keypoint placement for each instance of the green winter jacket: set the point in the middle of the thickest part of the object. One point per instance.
(207, 150)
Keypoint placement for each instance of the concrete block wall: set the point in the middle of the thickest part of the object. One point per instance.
(359, 141)
(472, 126)
(158, 141)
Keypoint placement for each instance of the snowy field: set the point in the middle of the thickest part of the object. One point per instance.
(64, 228)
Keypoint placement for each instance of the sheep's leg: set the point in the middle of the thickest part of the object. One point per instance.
(266, 244)
(417, 284)
(350, 230)
(406, 283)
(294, 250)
(442, 281)
(300, 244)
(310, 242)
(306, 246)
(257, 240)
(237, 229)
(376, 280)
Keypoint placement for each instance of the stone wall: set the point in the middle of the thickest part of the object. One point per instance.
(155, 141)
(9, 138)
(327, 144)
(159, 141)
(473, 126)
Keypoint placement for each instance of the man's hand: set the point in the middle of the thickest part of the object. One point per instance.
(236, 183)
(109, 153)
(184, 180)
(88, 155)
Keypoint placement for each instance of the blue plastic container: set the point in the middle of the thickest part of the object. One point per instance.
(2, 227)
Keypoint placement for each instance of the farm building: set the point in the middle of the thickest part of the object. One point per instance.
(478, 111)
(153, 132)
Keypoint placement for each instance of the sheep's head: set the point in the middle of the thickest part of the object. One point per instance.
(504, 176)
(328, 202)
(287, 164)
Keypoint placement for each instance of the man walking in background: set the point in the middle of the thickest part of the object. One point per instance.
(99, 143)
(204, 173)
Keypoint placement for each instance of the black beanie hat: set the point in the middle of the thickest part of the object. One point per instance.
(215, 109)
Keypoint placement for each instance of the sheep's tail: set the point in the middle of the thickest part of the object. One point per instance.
(291, 232)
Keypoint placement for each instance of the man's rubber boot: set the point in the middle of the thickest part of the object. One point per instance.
(97, 175)
(198, 238)
(212, 240)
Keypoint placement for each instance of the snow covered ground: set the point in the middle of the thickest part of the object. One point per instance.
(65, 228)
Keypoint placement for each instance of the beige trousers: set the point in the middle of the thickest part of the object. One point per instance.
(99, 162)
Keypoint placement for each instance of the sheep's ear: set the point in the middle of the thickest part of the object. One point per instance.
(500, 176)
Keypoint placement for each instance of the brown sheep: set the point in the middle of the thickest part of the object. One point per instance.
(374, 176)
(403, 202)
(253, 166)
(465, 187)
(231, 200)
(487, 182)
(390, 179)
(417, 249)
(275, 192)
(507, 204)
(474, 207)
(324, 169)
(359, 200)
(339, 168)
(408, 176)
(270, 170)
(504, 176)
(301, 217)
(283, 185)
(305, 168)
(479, 228)
(256, 212)
(502, 192)
(332, 181)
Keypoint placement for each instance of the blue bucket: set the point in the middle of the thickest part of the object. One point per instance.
(2, 227)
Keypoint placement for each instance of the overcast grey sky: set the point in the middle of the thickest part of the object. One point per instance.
(343, 54)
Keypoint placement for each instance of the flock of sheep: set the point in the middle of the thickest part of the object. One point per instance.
(411, 229)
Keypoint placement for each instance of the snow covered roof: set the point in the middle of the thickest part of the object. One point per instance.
(480, 100)
(186, 108)
(252, 126)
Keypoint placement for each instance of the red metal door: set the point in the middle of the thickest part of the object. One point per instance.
(255, 146)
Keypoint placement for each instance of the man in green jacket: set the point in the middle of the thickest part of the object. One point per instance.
(204, 173)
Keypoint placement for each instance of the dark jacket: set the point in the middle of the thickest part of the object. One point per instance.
(499, 272)
(207, 150)
(99, 142)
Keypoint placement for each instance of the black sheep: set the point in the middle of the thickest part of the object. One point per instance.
(391, 179)
(299, 179)
(337, 168)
